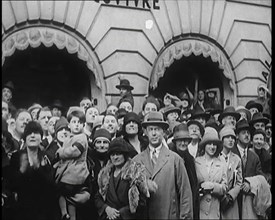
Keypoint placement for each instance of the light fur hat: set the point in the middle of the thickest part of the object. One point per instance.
(225, 131)
(211, 136)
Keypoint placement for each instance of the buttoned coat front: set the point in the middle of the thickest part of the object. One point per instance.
(234, 182)
(173, 198)
(210, 203)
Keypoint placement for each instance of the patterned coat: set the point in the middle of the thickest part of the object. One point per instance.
(210, 203)
(234, 182)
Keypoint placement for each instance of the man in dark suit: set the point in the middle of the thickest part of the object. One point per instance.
(251, 165)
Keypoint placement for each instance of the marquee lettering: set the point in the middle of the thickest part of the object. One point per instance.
(138, 3)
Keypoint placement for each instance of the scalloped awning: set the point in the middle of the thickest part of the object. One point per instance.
(34, 36)
(185, 48)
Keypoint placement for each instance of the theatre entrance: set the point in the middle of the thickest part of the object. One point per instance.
(192, 72)
(44, 74)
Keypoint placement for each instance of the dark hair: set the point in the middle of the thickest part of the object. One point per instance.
(78, 114)
(258, 131)
(19, 111)
(91, 107)
(201, 149)
(32, 127)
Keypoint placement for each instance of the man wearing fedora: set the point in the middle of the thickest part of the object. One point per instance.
(173, 197)
(229, 117)
(251, 165)
(200, 116)
(254, 107)
(125, 90)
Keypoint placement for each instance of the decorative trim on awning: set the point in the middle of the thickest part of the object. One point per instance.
(186, 48)
(34, 36)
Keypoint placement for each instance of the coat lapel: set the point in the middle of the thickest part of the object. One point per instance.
(162, 160)
(147, 160)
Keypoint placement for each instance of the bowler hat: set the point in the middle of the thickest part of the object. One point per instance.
(9, 85)
(241, 108)
(124, 83)
(230, 110)
(198, 124)
(60, 124)
(226, 131)
(199, 113)
(170, 109)
(258, 117)
(119, 145)
(181, 132)
(253, 104)
(242, 125)
(155, 118)
(211, 136)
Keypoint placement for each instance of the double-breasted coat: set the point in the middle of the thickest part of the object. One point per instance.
(173, 198)
(234, 182)
(210, 203)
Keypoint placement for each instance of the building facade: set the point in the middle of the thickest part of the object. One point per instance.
(143, 40)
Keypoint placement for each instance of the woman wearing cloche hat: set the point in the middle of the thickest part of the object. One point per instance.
(119, 187)
(211, 174)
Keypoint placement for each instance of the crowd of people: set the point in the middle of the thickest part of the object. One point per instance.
(181, 158)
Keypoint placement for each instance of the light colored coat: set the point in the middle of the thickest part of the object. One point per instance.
(210, 203)
(173, 198)
(234, 182)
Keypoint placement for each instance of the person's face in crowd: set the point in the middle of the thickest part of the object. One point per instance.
(259, 125)
(201, 95)
(127, 106)
(184, 103)
(110, 124)
(243, 115)
(22, 120)
(149, 107)
(117, 159)
(34, 113)
(112, 109)
(253, 111)
(261, 92)
(194, 131)
(201, 120)
(101, 145)
(33, 140)
(229, 141)
(62, 135)
(216, 116)
(56, 112)
(154, 134)
(229, 120)
(210, 149)
(268, 132)
(75, 125)
(167, 100)
(51, 124)
(91, 115)
(211, 95)
(131, 128)
(85, 103)
(244, 137)
(172, 117)
(44, 118)
(258, 141)
(123, 91)
(11, 124)
(182, 144)
(5, 111)
(6, 94)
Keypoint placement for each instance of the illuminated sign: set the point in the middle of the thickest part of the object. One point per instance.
(150, 4)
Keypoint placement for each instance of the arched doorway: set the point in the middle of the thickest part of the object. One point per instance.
(44, 74)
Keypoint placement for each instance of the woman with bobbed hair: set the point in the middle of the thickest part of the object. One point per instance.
(32, 177)
(122, 185)
(211, 174)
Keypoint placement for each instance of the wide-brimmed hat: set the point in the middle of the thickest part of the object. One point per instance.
(124, 83)
(198, 124)
(156, 119)
(119, 145)
(181, 132)
(226, 131)
(198, 113)
(241, 108)
(170, 109)
(211, 136)
(242, 125)
(258, 117)
(230, 110)
(9, 85)
(253, 104)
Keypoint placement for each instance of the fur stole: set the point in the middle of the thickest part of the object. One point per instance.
(132, 172)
